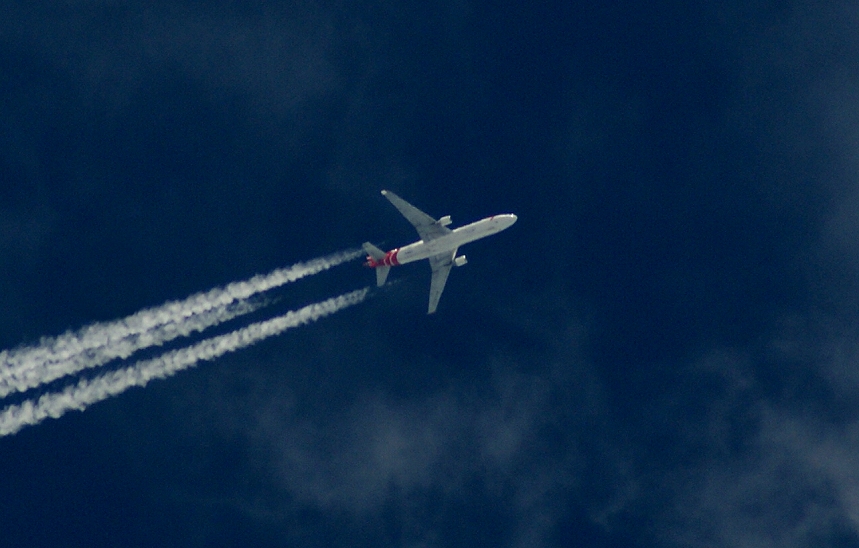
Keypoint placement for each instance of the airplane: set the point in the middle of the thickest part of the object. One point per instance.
(438, 243)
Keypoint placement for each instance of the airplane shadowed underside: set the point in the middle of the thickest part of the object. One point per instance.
(438, 243)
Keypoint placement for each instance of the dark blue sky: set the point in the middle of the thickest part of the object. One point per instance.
(662, 352)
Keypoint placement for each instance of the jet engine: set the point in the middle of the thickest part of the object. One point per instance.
(444, 221)
(460, 261)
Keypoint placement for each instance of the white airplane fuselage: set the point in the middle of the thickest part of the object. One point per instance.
(447, 243)
(438, 244)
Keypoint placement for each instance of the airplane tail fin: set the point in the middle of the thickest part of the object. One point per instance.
(377, 255)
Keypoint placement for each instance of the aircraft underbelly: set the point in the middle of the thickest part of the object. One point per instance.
(424, 250)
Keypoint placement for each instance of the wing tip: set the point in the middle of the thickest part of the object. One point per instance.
(384, 193)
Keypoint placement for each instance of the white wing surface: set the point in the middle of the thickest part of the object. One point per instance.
(440, 265)
(427, 227)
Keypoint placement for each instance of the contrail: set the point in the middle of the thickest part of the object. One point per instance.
(28, 367)
(36, 373)
(89, 391)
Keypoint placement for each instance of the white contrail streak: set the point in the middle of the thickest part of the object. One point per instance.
(89, 391)
(95, 345)
(36, 373)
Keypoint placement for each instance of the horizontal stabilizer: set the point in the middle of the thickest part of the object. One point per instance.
(373, 251)
(377, 255)
(382, 275)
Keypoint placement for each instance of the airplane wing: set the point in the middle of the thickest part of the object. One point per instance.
(440, 265)
(427, 227)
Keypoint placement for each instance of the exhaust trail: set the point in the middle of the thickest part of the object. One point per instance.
(28, 367)
(37, 374)
(89, 391)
